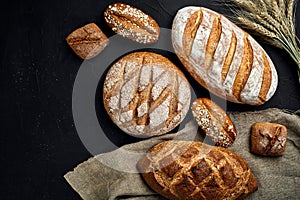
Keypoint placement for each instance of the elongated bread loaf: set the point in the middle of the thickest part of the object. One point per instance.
(145, 94)
(214, 121)
(182, 170)
(132, 23)
(222, 57)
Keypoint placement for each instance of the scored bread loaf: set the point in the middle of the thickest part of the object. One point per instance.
(145, 94)
(214, 121)
(268, 139)
(222, 57)
(181, 170)
(132, 23)
(88, 41)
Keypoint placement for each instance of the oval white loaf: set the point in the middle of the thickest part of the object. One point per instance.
(145, 94)
(222, 57)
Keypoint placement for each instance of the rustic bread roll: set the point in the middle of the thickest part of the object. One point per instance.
(180, 170)
(132, 23)
(88, 41)
(214, 122)
(222, 57)
(268, 139)
(145, 94)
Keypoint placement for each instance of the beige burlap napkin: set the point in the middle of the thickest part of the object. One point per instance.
(114, 176)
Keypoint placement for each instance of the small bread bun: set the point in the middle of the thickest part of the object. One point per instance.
(88, 41)
(268, 139)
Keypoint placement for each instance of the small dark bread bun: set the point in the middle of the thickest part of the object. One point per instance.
(268, 139)
(88, 41)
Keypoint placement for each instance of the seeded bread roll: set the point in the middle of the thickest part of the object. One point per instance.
(214, 122)
(184, 170)
(145, 94)
(222, 57)
(268, 139)
(88, 41)
(132, 23)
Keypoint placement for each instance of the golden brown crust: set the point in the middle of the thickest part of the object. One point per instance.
(222, 57)
(181, 170)
(132, 23)
(244, 69)
(267, 79)
(268, 139)
(87, 41)
(213, 41)
(229, 57)
(190, 31)
(145, 94)
(214, 121)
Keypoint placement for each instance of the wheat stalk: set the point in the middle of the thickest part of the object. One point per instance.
(271, 20)
(263, 5)
(260, 30)
(282, 5)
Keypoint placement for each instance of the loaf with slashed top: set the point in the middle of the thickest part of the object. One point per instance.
(222, 57)
(132, 23)
(185, 170)
(145, 94)
(214, 121)
(268, 139)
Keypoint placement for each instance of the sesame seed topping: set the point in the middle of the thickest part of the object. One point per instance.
(136, 23)
(210, 126)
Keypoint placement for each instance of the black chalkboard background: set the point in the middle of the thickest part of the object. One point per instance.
(38, 141)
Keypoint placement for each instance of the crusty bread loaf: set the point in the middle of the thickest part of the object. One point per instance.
(88, 41)
(132, 23)
(268, 139)
(181, 170)
(214, 122)
(145, 94)
(222, 57)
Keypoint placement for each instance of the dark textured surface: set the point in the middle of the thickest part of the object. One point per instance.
(38, 142)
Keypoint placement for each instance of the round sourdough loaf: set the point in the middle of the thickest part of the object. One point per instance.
(145, 94)
(222, 57)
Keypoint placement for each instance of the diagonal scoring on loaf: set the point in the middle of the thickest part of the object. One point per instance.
(213, 41)
(136, 32)
(271, 139)
(132, 23)
(214, 121)
(187, 170)
(221, 117)
(267, 75)
(89, 33)
(229, 57)
(222, 57)
(87, 41)
(244, 69)
(190, 31)
(268, 139)
(151, 98)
